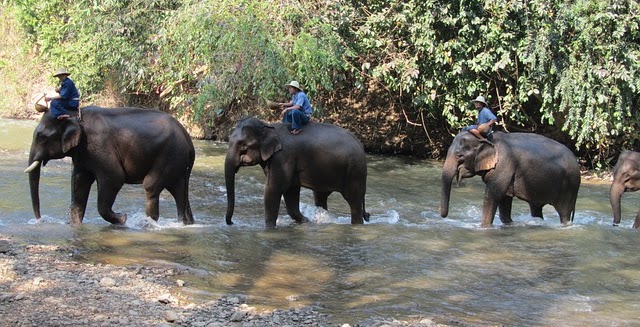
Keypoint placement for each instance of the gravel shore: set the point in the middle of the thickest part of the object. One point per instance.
(42, 285)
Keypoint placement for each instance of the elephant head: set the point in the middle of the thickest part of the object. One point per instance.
(626, 178)
(52, 139)
(466, 157)
(252, 142)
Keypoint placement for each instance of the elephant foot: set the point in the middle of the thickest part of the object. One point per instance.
(299, 218)
(117, 218)
(75, 220)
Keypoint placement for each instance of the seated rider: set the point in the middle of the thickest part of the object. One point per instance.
(68, 98)
(484, 122)
(297, 111)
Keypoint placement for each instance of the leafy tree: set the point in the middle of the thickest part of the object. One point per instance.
(568, 70)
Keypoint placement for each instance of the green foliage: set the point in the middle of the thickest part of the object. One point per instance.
(544, 65)
(568, 69)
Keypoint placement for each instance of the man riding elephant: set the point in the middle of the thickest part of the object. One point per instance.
(68, 98)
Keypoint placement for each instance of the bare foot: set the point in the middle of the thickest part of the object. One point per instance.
(63, 117)
(296, 131)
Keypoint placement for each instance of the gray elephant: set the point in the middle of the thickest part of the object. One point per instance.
(626, 178)
(114, 147)
(531, 167)
(324, 158)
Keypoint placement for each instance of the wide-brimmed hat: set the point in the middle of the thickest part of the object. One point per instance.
(295, 84)
(481, 99)
(61, 71)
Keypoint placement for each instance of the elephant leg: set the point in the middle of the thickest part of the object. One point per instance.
(271, 206)
(107, 192)
(320, 199)
(536, 210)
(180, 192)
(357, 214)
(292, 202)
(504, 209)
(357, 208)
(489, 208)
(636, 224)
(152, 202)
(81, 182)
(565, 215)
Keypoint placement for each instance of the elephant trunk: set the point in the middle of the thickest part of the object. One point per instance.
(449, 171)
(230, 168)
(34, 184)
(615, 194)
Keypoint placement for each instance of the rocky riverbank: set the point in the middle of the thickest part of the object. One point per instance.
(43, 285)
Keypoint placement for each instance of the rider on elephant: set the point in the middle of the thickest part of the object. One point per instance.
(484, 122)
(297, 111)
(67, 99)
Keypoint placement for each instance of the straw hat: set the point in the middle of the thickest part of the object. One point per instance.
(295, 84)
(480, 99)
(61, 71)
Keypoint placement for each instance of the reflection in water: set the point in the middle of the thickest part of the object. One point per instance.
(407, 260)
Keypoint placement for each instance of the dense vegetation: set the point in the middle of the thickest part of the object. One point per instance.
(400, 74)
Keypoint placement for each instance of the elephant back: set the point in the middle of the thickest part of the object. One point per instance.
(322, 135)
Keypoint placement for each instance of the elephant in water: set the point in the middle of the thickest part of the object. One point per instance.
(531, 167)
(324, 158)
(626, 178)
(114, 147)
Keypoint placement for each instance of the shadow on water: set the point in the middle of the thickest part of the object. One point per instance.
(407, 260)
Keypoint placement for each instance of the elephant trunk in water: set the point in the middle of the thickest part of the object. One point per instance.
(34, 184)
(614, 197)
(449, 171)
(230, 168)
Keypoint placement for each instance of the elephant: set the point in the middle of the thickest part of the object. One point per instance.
(323, 157)
(531, 167)
(626, 178)
(114, 146)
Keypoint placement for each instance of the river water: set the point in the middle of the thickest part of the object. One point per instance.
(406, 261)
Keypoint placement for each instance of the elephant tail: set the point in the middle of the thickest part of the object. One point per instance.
(365, 214)
(188, 214)
(573, 208)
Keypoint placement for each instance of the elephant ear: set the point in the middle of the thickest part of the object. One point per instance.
(486, 157)
(70, 135)
(270, 142)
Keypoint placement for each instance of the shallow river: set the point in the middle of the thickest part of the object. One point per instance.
(406, 260)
